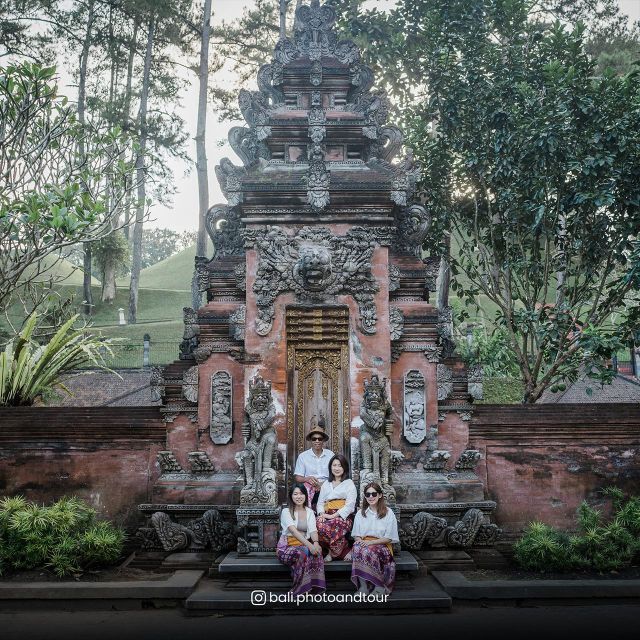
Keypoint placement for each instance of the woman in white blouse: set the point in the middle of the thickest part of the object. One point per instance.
(298, 546)
(375, 529)
(336, 504)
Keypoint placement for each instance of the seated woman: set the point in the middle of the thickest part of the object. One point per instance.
(375, 528)
(336, 505)
(298, 546)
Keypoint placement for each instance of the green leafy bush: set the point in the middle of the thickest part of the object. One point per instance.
(64, 537)
(597, 544)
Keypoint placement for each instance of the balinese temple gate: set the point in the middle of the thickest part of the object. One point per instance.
(317, 311)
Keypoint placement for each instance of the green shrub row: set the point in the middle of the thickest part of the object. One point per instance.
(65, 537)
(603, 545)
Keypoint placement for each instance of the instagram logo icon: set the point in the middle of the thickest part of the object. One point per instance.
(258, 598)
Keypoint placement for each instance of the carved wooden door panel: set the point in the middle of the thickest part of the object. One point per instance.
(317, 377)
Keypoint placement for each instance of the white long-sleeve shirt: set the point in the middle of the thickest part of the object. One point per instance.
(371, 525)
(286, 520)
(346, 490)
(309, 464)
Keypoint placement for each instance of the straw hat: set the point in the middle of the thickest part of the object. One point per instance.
(317, 429)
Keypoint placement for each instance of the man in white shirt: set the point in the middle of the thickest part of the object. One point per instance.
(312, 465)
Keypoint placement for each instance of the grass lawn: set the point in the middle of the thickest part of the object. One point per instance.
(173, 273)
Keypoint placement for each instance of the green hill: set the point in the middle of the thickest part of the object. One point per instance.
(63, 272)
(174, 273)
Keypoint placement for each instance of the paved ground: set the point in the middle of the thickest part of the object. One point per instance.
(473, 623)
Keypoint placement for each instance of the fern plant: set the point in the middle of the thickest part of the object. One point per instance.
(597, 545)
(28, 370)
(65, 537)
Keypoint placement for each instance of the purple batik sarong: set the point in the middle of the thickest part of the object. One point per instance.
(374, 564)
(307, 570)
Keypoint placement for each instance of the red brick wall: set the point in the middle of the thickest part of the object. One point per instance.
(105, 455)
(540, 462)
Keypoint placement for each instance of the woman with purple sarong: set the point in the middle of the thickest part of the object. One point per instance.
(298, 546)
(336, 504)
(375, 529)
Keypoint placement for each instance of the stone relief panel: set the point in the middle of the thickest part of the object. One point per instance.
(414, 423)
(221, 424)
(316, 266)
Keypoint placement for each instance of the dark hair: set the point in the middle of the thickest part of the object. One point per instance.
(345, 465)
(292, 505)
(382, 505)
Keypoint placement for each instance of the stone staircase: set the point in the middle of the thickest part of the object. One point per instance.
(233, 579)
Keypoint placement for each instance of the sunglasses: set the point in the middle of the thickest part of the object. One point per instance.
(371, 494)
(317, 439)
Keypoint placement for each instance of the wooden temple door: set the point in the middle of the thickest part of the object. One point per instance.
(317, 378)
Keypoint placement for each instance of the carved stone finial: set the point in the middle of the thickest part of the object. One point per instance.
(437, 461)
(445, 382)
(396, 322)
(168, 463)
(224, 228)
(190, 384)
(468, 460)
(200, 462)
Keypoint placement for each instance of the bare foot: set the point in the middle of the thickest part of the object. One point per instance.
(328, 558)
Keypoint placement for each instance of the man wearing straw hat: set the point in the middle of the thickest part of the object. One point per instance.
(312, 465)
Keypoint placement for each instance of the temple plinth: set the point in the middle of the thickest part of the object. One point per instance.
(318, 307)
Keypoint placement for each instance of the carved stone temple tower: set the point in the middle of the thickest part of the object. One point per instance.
(317, 311)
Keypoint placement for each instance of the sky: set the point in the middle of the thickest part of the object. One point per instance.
(183, 214)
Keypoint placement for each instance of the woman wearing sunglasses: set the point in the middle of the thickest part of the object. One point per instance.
(298, 546)
(375, 529)
(336, 505)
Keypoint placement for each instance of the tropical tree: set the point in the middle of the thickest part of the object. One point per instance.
(53, 190)
(530, 161)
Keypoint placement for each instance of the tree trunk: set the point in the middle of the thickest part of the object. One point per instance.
(109, 281)
(82, 98)
(201, 151)
(283, 19)
(136, 261)
(444, 276)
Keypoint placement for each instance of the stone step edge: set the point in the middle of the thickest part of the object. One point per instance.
(459, 587)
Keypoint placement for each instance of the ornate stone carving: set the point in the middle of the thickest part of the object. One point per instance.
(208, 531)
(201, 353)
(156, 384)
(148, 538)
(394, 277)
(445, 332)
(468, 460)
(488, 534)
(230, 179)
(465, 416)
(431, 270)
(317, 125)
(315, 265)
(474, 381)
(246, 144)
(463, 532)
(255, 111)
(315, 76)
(433, 353)
(437, 461)
(269, 79)
(413, 225)
(396, 323)
(314, 37)
(445, 382)
(257, 457)
(406, 175)
(396, 351)
(424, 527)
(220, 424)
(362, 80)
(388, 143)
(190, 384)
(224, 228)
(237, 321)
(191, 332)
(240, 274)
(318, 179)
(168, 463)
(377, 426)
(414, 424)
(200, 462)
